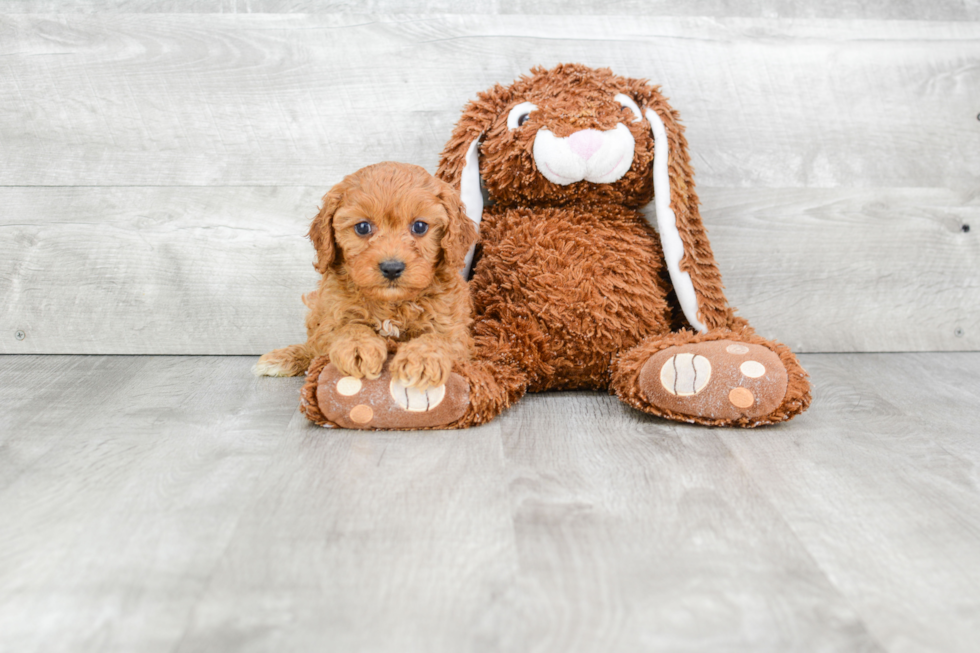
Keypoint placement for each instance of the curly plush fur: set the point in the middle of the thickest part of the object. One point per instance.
(570, 288)
(357, 314)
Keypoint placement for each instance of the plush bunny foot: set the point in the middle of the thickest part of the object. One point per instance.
(331, 399)
(715, 380)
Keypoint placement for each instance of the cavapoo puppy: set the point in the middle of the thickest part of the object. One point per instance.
(390, 242)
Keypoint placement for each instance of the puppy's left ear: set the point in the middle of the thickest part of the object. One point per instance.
(460, 231)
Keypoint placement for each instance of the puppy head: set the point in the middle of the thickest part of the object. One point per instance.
(392, 228)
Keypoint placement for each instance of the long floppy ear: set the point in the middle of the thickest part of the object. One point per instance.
(459, 165)
(461, 232)
(693, 270)
(321, 230)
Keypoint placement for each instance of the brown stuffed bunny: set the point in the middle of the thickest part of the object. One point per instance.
(572, 287)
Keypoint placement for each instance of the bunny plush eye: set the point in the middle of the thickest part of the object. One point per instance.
(520, 115)
(628, 103)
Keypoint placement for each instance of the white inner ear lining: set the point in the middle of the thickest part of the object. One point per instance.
(670, 238)
(627, 101)
(469, 193)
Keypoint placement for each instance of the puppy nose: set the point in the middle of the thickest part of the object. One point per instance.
(585, 143)
(391, 269)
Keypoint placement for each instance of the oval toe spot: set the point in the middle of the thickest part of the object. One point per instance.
(435, 396)
(685, 374)
(752, 369)
(702, 373)
(737, 349)
(667, 375)
(415, 400)
(349, 386)
(741, 397)
(361, 414)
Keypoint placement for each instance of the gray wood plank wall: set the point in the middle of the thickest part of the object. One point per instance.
(158, 170)
(947, 10)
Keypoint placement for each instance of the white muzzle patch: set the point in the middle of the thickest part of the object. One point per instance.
(601, 157)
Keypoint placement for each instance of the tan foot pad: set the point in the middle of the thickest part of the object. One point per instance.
(721, 379)
(384, 403)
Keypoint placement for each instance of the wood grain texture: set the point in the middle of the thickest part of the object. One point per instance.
(368, 542)
(123, 479)
(852, 270)
(169, 99)
(155, 270)
(179, 504)
(566, 538)
(882, 483)
(635, 534)
(879, 9)
(221, 270)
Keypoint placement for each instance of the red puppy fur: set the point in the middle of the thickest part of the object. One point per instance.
(390, 241)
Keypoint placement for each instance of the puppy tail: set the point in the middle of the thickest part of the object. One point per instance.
(288, 361)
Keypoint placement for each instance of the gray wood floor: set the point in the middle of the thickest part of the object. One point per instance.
(179, 504)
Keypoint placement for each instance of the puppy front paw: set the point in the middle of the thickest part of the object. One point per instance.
(360, 357)
(421, 365)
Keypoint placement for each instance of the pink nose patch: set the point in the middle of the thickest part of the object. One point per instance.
(585, 143)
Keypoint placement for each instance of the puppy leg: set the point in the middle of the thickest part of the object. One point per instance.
(498, 372)
(427, 361)
(358, 351)
(288, 361)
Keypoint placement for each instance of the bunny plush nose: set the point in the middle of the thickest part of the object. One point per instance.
(585, 143)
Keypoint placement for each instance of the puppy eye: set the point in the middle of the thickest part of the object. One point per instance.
(363, 228)
(520, 115)
(419, 228)
(629, 103)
